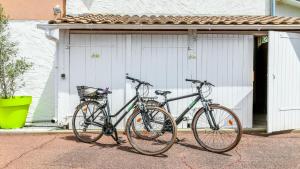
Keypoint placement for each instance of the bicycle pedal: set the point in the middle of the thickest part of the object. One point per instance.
(179, 140)
(160, 133)
(121, 140)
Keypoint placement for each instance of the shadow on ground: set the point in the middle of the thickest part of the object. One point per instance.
(121, 146)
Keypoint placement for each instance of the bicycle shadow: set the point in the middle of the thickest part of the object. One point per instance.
(125, 148)
(70, 138)
(132, 150)
(196, 147)
(121, 146)
(73, 138)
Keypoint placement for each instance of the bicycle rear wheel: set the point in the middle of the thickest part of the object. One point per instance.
(152, 114)
(158, 134)
(221, 139)
(84, 121)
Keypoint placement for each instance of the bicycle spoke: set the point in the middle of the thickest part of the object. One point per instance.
(154, 140)
(87, 129)
(222, 138)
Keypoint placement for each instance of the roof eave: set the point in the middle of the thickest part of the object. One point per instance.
(167, 27)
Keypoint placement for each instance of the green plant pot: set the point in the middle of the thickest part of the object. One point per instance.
(13, 111)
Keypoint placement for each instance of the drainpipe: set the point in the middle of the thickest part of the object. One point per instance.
(273, 7)
(50, 36)
(49, 33)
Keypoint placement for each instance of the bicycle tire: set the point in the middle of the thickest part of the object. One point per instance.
(148, 152)
(212, 149)
(74, 128)
(152, 103)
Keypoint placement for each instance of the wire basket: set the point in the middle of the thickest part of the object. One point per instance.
(144, 91)
(85, 92)
(206, 91)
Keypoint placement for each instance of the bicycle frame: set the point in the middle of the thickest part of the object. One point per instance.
(134, 100)
(179, 119)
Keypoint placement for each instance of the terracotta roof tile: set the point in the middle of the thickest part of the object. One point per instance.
(177, 20)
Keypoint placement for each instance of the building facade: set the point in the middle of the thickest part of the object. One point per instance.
(218, 51)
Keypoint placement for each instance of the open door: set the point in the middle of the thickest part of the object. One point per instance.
(283, 81)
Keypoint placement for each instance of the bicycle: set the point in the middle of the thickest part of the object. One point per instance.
(92, 120)
(209, 127)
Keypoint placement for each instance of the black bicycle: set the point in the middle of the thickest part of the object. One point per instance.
(92, 119)
(215, 127)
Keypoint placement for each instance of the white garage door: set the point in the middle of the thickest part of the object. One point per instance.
(102, 60)
(283, 81)
(98, 60)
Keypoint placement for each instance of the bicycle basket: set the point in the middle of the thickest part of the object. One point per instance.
(87, 92)
(144, 90)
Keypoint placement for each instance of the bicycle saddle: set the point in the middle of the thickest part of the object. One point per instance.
(164, 93)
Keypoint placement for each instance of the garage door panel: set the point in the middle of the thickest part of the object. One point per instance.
(78, 45)
(118, 74)
(222, 60)
(110, 69)
(133, 67)
(79, 40)
(181, 74)
(118, 63)
(283, 81)
(95, 63)
(172, 70)
(158, 65)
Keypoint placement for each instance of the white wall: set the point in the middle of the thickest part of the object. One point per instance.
(170, 7)
(287, 10)
(34, 45)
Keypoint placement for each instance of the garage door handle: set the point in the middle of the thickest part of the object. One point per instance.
(63, 76)
(273, 76)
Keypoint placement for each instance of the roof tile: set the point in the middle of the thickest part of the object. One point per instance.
(176, 20)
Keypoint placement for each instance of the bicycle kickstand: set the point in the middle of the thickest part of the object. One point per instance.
(115, 137)
(179, 140)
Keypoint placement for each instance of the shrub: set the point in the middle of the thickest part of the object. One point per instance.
(12, 67)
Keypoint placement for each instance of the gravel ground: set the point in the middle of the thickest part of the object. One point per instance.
(42, 151)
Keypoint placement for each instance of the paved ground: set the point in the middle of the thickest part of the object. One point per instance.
(41, 151)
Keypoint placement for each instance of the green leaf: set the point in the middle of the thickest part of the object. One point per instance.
(12, 67)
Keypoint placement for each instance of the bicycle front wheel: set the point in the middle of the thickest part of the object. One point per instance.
(87, 121)
(158, 134)
(226, 134)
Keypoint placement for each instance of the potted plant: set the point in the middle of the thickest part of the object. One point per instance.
(13, 109)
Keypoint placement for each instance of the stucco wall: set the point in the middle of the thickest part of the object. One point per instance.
(31, 9)
(287, 10)
(34, 45)
(170, 7)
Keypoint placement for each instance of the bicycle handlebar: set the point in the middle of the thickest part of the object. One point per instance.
(137, 80)
(131, 78)
(200, 82)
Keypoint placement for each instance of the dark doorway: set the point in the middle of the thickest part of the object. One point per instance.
(260, 83)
